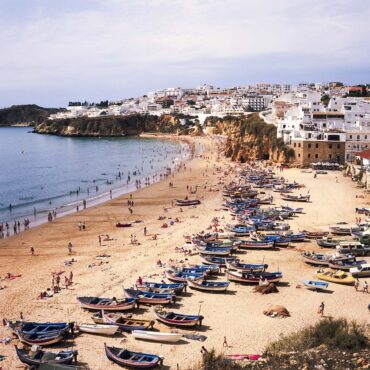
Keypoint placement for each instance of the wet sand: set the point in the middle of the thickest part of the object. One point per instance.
(236, 315)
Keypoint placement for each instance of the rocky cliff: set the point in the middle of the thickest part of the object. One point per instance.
(250, 138)
(25, 114)
(113, 126)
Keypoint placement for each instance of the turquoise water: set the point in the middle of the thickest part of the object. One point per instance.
(42, 173)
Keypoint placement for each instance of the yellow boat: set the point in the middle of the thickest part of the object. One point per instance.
(335, 276)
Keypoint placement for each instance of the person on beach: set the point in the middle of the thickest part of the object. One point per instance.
(32, 250)
(69, 248)
(321, 309)
(145, 231)
(357, 284)
(99, 237)
(225, 344)
(366, 287)
(71, 278)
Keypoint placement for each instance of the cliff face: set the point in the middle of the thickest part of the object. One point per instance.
(250, 138)
(112, 126)
(25, 114)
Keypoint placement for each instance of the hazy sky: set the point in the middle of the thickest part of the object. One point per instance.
(53, 51)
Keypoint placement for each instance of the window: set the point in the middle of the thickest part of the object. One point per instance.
(308, 155)
(330, 156)
(338, 158)
(309, 145)
(330, 146)
(350, 136)
(365, 137)
(338, 146)
(299, 154)
(316, 156)
(317, 145)
(358, 137)
(299, 145)
(295, 144)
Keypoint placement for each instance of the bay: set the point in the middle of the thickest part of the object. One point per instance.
(45, 173)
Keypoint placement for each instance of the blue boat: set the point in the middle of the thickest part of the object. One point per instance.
(209, 286)
(315, 285)
(218, 251)
(29, 328)
(182, 276)
(160, 287)
(133, 360)
(279, 241)
(149, 297)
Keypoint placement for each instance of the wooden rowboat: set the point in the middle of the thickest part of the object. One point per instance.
(208, 286)
(124, 323)
(155, 336)
(100, 329)
(40, 356)
(133, 360)
(177, 319)
(107, 304)
(253, 278)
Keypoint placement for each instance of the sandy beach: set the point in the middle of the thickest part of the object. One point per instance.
(236, 315)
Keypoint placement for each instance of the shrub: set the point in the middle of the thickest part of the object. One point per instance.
(338, 333)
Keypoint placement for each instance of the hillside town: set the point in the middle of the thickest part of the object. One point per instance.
(321, 122)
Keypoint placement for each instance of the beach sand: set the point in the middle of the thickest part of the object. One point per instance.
(236, 315)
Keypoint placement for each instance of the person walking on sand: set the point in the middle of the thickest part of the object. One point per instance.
(70, 278)
(225, 344)
(321, 309)
(357, 284)
(69, 248)
(99, 237)
(145, 230)
(366, 287)
(32, 250)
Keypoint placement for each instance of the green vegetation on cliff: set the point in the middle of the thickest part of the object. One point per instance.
(250, 138)
(114, 125)
(25, 114)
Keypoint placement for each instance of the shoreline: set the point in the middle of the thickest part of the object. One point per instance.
(236, 315)
(118, 191)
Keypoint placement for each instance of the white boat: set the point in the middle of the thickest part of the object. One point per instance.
(156, 336)
(100, 329)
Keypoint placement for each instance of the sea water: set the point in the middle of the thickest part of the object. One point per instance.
(43, 173)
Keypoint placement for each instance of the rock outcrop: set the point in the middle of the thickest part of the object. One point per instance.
(250, 138)
(25, 114)
(113, 126)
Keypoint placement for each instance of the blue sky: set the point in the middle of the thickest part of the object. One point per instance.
(53, 51)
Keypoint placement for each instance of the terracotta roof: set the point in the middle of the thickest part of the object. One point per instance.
(364, 154)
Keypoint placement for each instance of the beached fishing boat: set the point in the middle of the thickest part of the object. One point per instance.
(161, 287)
(315, 234)
(237, 265)
(149, 297)
(100, 329)
(345, 263)
(176, 319)
(125, 323)
(295, 198)
(315, 285)
(182, 276)
(335, 276)
(256, 244)
(344, 229)
(27, 327)
(316, 259)
(253, 278)
(41, 339)
(39, 356)
(328, 242)
(187, 202)
(155, 336)
(133, 360)
(208, 286)
(218, 251)
(107, 304)
(221, 261)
